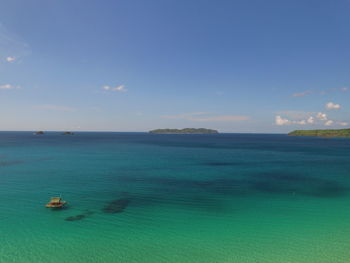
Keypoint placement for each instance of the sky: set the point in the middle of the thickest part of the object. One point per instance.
(257, 66)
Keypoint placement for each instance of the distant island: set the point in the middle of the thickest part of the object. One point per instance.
(322, 133)
(39, 133)
(185, 131)
(68, 133)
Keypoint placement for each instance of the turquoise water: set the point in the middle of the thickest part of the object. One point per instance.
(137, 197)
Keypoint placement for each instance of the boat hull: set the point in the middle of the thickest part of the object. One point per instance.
(56, 205)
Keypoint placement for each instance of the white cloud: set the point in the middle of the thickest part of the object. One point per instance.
(10, 59)
(329, 123)
(283, 121)
(280, 121)
(302, 94)
(53, 107)
(332, 106)
(301, 118)
(332, 90)
(310, 120)
(322, 116)
(8, 86)
(295, 114)
(120, 88)
(343, 123)
(207, 117)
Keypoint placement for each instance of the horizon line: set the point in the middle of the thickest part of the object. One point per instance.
(107, 131)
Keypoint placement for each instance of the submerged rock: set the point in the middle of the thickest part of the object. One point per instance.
(116, 206)
(89, 213)
(79, 217)
(75, 218)
(8, 163)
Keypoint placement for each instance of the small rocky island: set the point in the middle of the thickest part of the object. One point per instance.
(322, 133)
(38, 133)
(68, 133)
(185, 131)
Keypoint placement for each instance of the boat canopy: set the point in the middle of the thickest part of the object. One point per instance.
(55, 200)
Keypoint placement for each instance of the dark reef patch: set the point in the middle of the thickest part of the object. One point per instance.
(171, 197)
(287, 183)
(273, 187)
(191, 193)
(283, 177)
(16, 162)
(80, 216)
(9, 163)
(328, 189)
(116, 206)
(89, 213)
(75, 218)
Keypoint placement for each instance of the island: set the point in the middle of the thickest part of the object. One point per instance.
(185, 131)
(322, 133)
(38, 133)
(68, 133)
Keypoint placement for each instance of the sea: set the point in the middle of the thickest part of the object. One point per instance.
(148, 198)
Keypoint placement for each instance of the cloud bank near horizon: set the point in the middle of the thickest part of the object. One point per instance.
(319, 118)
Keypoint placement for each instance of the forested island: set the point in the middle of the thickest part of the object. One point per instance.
(185, 131)
(322, 133)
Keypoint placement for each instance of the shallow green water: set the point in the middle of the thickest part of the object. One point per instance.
(185, 198)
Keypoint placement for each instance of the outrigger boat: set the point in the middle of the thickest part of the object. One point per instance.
(56, 202)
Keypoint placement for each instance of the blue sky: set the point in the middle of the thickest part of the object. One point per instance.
(135, 65)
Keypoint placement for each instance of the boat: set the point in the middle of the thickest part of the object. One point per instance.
(56, 202)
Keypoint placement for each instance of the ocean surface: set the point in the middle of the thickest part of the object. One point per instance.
(137, 197)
